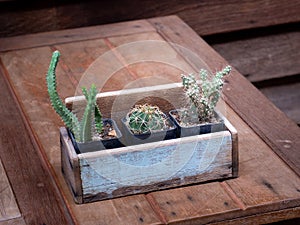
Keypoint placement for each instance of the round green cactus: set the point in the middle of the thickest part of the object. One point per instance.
(146, 118)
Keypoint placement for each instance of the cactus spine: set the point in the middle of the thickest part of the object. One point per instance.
(146, 118)
(202, 98)
(82, 130)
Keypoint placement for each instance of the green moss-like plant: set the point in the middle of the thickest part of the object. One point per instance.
(91, 120)
(146, 118)
(202, 98)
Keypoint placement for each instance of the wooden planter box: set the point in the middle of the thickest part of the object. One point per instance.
(147, 167)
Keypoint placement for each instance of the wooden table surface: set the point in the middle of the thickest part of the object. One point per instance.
(32, 188)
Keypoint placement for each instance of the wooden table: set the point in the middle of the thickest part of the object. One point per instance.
(268, 186)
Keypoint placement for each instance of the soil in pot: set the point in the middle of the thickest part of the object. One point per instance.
(184, 130)
(109, 138)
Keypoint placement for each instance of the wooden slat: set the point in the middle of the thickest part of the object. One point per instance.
(127, 210)
(263, 57)
(71, 35)
(150, 59)
(29, 178)
(8, 206)
(95, 62)
(272, 125)
(17, 221)
(205, 17)
(286, 98)
(277, 217)
(198, 204)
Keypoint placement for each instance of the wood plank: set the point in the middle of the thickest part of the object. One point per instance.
(8, 205)
(71, 35)
(16, 19)
(286, 98)
(264, 190)
(31, 181)
(127, 210)
(17, 221)
(149, 58)
(197, 204)
(95, 62)
(263, 57)
(272, 125)
(28, 68)
(276, 217)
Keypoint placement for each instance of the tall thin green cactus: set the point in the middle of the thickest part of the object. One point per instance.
(82, 130)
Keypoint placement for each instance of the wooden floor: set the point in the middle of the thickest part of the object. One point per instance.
(266, 191)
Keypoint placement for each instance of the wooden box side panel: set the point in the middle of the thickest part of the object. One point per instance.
(70, 165)
(154, 166)
(235, 146)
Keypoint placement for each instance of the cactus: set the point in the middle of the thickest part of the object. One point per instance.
(146, 118)
(83, 130)
(202, 98)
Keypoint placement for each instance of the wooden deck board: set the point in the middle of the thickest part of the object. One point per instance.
(264, 57)
(71, 35)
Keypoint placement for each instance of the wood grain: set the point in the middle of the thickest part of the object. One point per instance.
(286, 98)
(277, 217)
(8, 206)
(93, 62)
(271, 192)
(273, 126)
(119, 174)
(59, 37)
(17, 221)
(200, 204)
(263, 57)
(205, 17)
(30, 180)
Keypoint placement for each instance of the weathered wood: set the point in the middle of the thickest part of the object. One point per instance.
(190, 160)
(31, 182)
(280, 217)
(273, 126)
(286, 98)
(205, 17)
(114, 173)
(41, 117)
(8, 206)
(263, 57)
(70, 166)
(198, 204)
(17, 221)
(79, 34)
(138, 208)
(250, 193)
(84, 61)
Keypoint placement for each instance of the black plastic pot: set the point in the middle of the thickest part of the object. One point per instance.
(129, 138)
(98, 145)
(185, 131)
